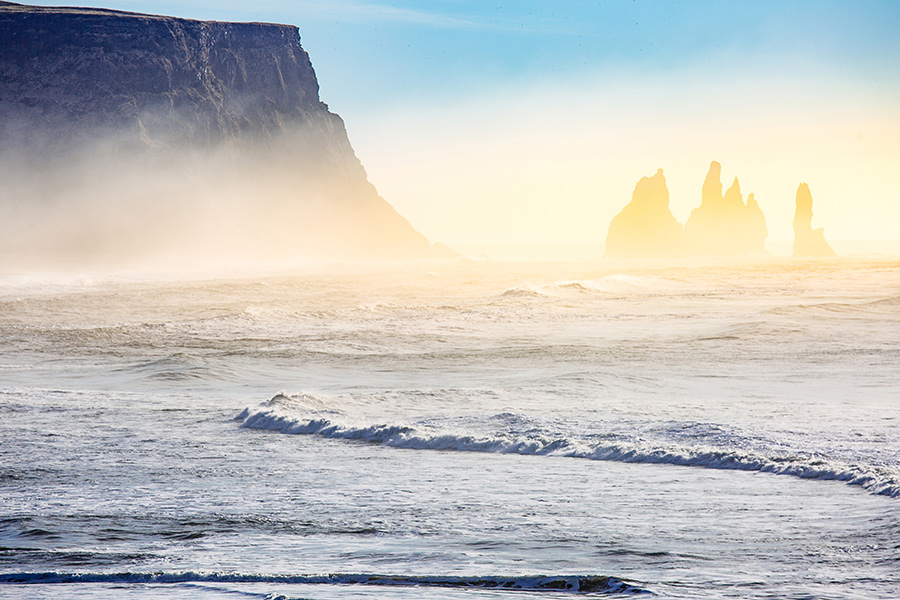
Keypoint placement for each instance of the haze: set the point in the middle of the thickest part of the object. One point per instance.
(532, 122)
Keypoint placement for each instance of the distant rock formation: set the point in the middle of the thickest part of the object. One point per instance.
(126, 133)
(721, 225)
(645, 227)
(808, 241)
(725, 224)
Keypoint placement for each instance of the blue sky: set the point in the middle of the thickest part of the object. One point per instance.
(428, 49)
(604, 92)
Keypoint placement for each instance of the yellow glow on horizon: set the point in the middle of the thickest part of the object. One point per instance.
(556, 166)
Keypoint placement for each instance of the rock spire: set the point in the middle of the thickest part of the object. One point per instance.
(646, 226)
(724, 224)
(808, 242)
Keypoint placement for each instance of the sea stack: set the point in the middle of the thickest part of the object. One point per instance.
(808, 242)
(125, 133)
(724, 224)
(645, 227)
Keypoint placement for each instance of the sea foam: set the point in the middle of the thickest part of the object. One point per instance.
(584, 584)
(306, 414)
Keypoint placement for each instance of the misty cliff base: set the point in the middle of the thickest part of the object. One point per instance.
(124, 135)
(102, 205)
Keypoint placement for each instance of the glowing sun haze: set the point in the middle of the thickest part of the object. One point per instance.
(532, 121)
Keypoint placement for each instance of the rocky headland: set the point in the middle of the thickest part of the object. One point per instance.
(125, 133)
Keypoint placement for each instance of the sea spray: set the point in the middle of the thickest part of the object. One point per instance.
(308, 414)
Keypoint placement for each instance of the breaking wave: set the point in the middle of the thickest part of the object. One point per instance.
(884, 307)
(615, 285)
(308, 414)
(579, 584)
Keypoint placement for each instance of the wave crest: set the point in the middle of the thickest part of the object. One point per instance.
(308, 414)
(583, 584)
(614, 285)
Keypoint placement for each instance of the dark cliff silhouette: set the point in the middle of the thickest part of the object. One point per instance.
(646, 227)
(808, 241)
(725, 224)
(126, 133)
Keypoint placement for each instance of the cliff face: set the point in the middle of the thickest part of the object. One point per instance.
(215, 128)
(183, 80)
(646, 227)
(808, 241)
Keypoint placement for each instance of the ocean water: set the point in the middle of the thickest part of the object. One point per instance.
(471, 429)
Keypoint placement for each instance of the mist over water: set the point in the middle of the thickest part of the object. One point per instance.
(212, 385)
(101, 201)
(133, 141)
(701, 429)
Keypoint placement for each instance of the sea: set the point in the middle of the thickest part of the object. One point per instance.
(467, 429)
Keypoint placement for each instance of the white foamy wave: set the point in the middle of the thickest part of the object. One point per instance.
(303, 415)
(874, 480)
(286, 409)
(622, 283)
(520, 292)
(609, 285)
(887, 307)
(583, 584)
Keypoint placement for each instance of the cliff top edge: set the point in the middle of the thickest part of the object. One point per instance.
(15, 8)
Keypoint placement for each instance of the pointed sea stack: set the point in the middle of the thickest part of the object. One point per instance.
(808, 242)
(125, 133)
(725, 224)
(646, 227)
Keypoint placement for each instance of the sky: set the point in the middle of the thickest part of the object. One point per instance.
(532, 121)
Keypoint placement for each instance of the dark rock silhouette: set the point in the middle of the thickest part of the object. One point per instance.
(725, 224)
(150, 129)
(646, 226)
(808, 241)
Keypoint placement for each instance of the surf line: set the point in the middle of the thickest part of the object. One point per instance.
(578, 584)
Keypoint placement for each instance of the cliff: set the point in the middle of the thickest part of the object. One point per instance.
(724, 224)
(645, 228)
(124, 132)
(808, 242)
